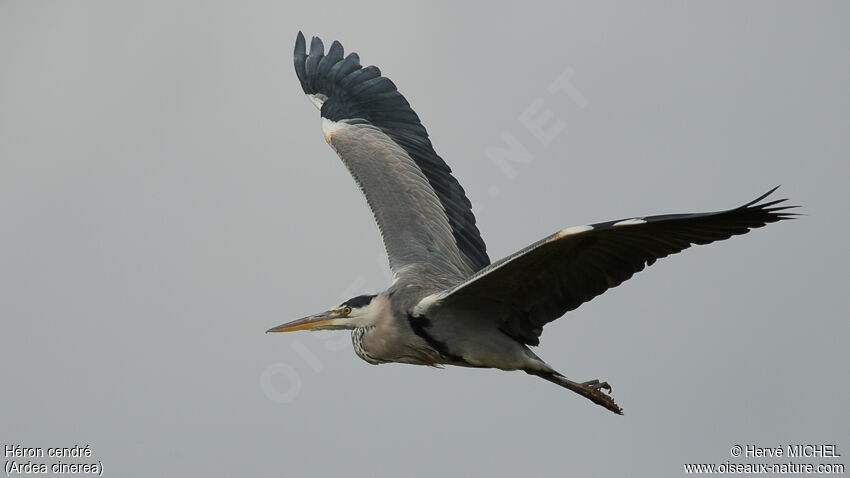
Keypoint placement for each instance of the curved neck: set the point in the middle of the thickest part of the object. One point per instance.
(357, 340)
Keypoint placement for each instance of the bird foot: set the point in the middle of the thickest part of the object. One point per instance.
(598, 392)
(597, 385)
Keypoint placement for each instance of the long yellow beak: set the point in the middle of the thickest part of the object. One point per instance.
(307, 323)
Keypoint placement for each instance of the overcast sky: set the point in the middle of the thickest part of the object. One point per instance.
(166, 196)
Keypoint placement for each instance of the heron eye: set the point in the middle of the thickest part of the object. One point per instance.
(346, 310)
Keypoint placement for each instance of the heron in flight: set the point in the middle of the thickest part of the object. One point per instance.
(447, 303)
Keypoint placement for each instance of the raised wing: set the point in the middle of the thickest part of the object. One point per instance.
(538, 284)
(422, 211)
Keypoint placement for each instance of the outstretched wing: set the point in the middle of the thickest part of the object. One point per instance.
(538, 284)
(422, 212)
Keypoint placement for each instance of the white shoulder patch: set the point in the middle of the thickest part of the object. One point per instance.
(574, 230)
(422, 307)
(330, 128)
(629, 222)
(317, 99)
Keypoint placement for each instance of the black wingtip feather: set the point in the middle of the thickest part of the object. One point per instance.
(336, 46)
(754, 201)
(299, 56)
(767, 212)
(317, 48)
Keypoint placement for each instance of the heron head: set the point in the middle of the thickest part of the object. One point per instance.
(353, 313)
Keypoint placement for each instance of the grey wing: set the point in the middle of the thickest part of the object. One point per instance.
(538, 284)
(422, 211)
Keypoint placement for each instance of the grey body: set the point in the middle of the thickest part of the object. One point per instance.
(464, 338)
(447, 304)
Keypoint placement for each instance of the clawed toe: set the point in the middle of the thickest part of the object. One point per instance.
(597, 385)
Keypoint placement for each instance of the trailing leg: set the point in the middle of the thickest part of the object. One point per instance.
(593, 390)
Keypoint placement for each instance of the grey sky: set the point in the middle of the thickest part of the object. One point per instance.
(166, 196)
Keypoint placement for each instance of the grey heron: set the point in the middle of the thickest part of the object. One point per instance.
(447, 304)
